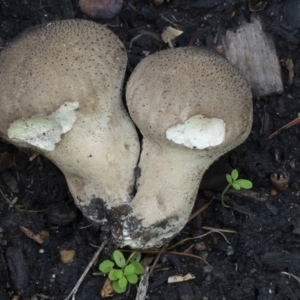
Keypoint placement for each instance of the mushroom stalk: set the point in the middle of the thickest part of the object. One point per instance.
(165, 202)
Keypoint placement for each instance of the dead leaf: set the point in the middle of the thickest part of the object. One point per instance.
(170, 33)
(107, 289)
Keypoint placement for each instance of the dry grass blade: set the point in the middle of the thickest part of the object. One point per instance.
(197, 212)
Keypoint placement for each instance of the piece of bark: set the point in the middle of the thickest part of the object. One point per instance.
(18, 269)
(253, 52)
(143, 286)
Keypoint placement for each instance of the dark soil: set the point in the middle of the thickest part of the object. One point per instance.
(267, 238)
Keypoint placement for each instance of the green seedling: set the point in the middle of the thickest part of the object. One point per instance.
(236, 183)
(121, 271)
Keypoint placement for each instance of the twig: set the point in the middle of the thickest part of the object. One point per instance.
(286, 126)
(169, 21)
(7, 200)
(197, 212)
(172, 252)
(218, 229)
(189, 255)
(162, 250)
(74, 291)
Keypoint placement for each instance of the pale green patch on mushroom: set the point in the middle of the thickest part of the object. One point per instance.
(42, 131)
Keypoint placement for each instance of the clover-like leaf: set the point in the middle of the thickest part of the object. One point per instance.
(129, 269)
(236, 185)
(229, 178)
(118, 273)
(112, 276)
(135, 256)
(234, 174)
(106, 266)
(117, 287)
(122, 282)
(133, 278)
(119, 259)
(244, 183)
(138, 268)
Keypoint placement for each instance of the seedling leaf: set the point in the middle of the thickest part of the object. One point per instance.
(133, 279)
(129, 269)
(117, 288)
(229, 178)
(244, 183)
(106, 266)
(122, 282)
(118, 257)
(234, 174)
(138, 268)
(112, 275)
(118, 274)
(135, 256)
(236, 185)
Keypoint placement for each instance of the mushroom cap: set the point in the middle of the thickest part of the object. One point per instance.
(171, 86)
(49, 65)
(60, 94)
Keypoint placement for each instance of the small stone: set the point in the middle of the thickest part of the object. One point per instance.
(200, 246)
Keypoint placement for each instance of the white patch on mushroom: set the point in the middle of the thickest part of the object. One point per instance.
(45, 131)
(66, 115)
(198, 132)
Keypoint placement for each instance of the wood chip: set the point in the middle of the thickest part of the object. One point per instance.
(253, 52)
(31, 235)
(179, 278)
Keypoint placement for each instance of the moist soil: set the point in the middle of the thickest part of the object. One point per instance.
(258, 258)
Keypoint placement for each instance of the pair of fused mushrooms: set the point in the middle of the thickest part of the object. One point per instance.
(61, 95)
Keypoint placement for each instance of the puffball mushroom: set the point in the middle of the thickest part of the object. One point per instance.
(60, 94)
(191, 107)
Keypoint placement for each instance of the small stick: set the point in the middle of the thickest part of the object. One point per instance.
(197, 212)
(74, 291)
(286, 126)
(162, 250)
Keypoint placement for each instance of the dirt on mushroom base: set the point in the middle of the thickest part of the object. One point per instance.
(241, 270)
